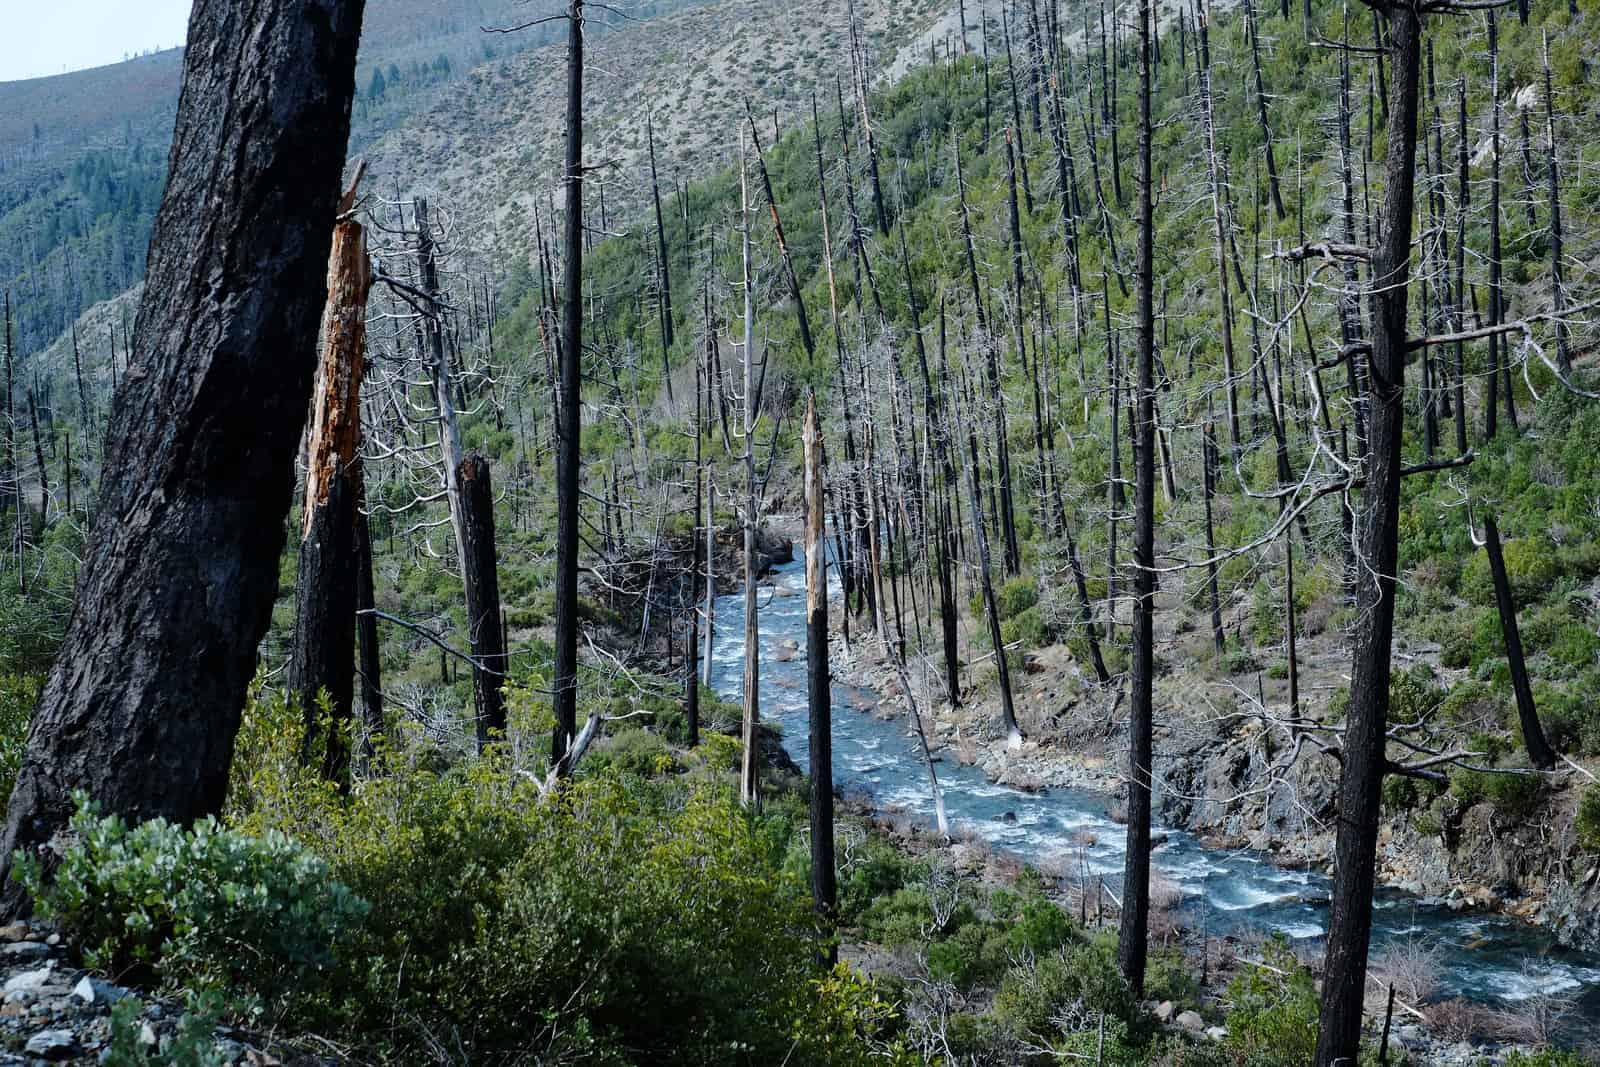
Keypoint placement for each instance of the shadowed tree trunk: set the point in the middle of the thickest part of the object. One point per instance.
(1533, 738)
(1134, 934)
(325, 596)
(179, 575)
(482, 582)
(824, 889)
(1366, 721)
(569, 420)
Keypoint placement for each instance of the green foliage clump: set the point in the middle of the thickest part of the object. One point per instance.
(192, 1045)
(636, 752)
(1078, 980)
(1545, 1057)
(1512, 793)
(205, 907)
(1272, 1014)
(1586, 824)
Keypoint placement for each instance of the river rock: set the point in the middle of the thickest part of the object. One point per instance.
(29, 981)
(14, 932)
(1009, 818)
(1164, 1011)
(24, 950)
(53, 1044)
(1217, 1033)
(1191, 1021)
(97, 991)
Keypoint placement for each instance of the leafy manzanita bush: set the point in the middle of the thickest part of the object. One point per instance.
(201, 907)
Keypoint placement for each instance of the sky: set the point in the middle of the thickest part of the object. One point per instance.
(53, 36)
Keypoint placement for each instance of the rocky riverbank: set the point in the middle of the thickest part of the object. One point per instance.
(1226, 772)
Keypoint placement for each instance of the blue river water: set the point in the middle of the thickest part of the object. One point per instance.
(1481, 956)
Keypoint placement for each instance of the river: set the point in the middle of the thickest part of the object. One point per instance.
(1481, 956)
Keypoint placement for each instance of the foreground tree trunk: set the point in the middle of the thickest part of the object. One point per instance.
(178, 579)
(569, 414)
(1134, 934)
(824, 888)
(325, 598)
(1366, 721)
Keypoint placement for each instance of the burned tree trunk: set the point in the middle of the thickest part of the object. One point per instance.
(1134, 934)
(325, 596)
(569, 414)
(664, 262)
(482, 583)
(1533, 738)
(178, 579)
(824, 889)
(1366, 721)
(990, 608)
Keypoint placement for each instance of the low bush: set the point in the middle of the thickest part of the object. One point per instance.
(1272, 1010)
(204, 907)
(1586, 824)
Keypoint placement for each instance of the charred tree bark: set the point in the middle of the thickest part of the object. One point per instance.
(179, 576)
(1133, 937)
(569, 422)
(664, 260)
(824, 887)
(325, 595)
(481, 579)
(1366, 721)
(1533, 738)
(1253, 27)
(1208, 458)
(991, 609)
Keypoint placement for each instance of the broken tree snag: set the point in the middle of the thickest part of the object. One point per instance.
(824, 888)
(181, 568)
(482, 582)
(325, 600)
(1533, 738)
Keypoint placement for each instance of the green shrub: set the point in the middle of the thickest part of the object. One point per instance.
(636, 752)
(1081, 978)
(1531, 565)
(18, 695)
(1586, 824)
(1011, 598)
(192, 1045)
(1515, 795)
(1545, 1057)
(1272, 1014)
(204, 907)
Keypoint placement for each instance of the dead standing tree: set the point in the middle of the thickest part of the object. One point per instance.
(1364, 748)
(1133, 937)
(323, 663)
(143, 703)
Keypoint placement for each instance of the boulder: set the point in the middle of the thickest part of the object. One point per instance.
(53, 1045)
(1191, 1021)
(29, 981)
(92, 990)
(1164, 1011)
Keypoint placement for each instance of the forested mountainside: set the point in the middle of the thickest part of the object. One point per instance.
(1184, 417)
(83, 156)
